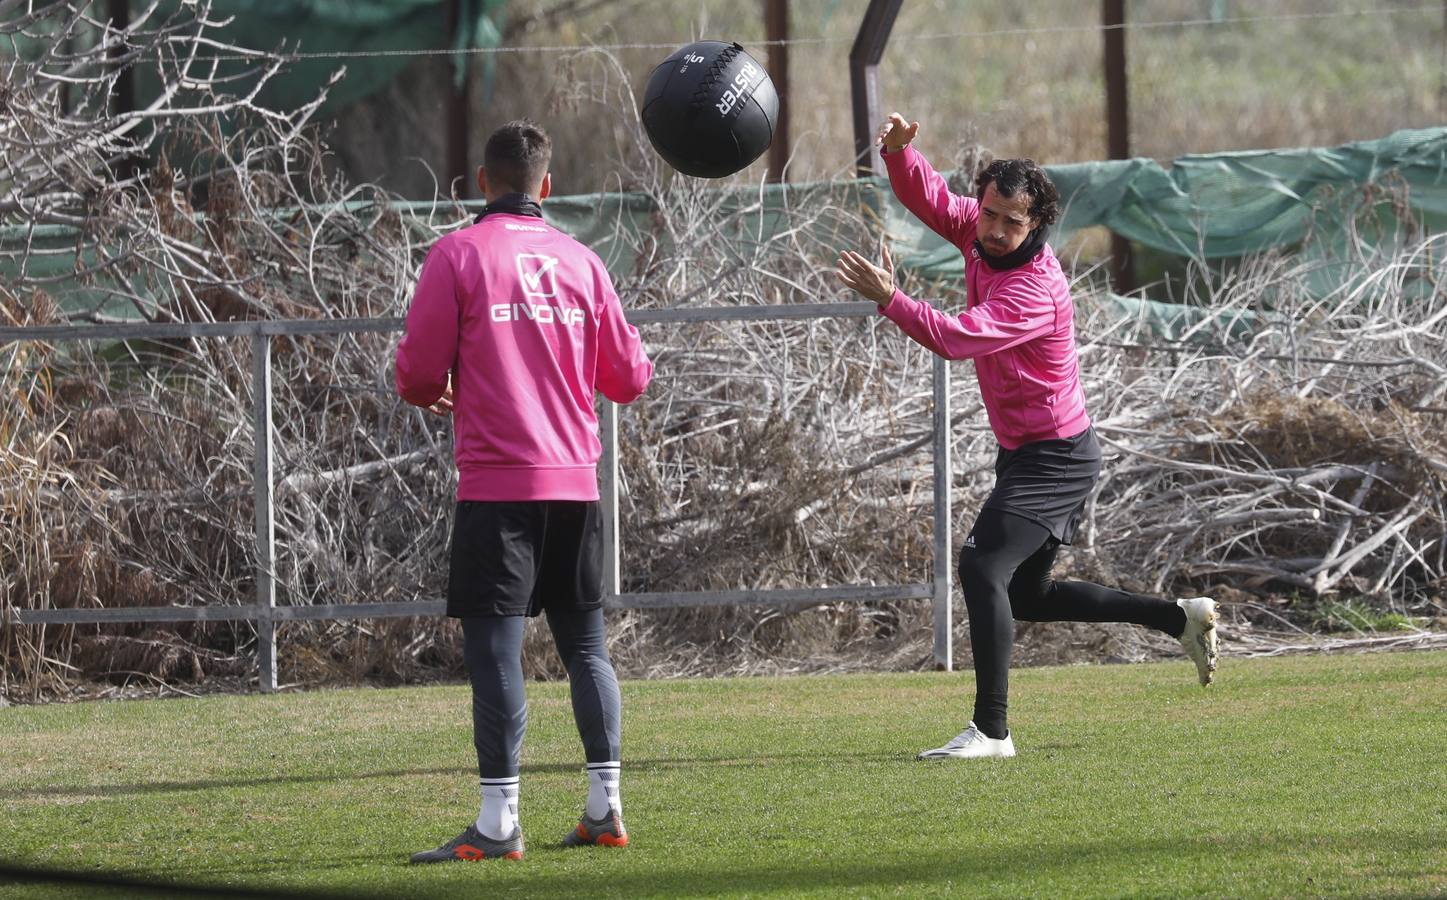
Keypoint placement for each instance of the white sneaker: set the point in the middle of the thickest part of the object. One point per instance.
(1199, 638)
(972, 743)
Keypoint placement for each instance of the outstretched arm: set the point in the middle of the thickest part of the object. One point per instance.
(921, 189)
(1009, 318)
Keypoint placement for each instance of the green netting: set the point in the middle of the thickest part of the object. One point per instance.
(1324, 203)
(1182, 323)
(318, 26)
(1221, 205)
(330, 26)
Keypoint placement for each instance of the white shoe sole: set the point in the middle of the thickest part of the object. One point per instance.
(1200, 639)
(996, 750)
(938, 754)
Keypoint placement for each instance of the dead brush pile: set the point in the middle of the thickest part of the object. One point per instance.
(1301, 460)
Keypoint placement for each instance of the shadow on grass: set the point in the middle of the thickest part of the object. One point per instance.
(110, 884)
(630, 765)
(1091, 866)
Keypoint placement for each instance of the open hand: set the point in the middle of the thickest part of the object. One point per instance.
(863, 276)
(895, 133)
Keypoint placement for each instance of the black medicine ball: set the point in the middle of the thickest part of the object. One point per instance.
(710, 109)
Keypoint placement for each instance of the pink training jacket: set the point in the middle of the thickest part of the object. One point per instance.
(1018, 325)
(525, 320)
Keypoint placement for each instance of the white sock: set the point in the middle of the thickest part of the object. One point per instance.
(498, 818)
(603, 795)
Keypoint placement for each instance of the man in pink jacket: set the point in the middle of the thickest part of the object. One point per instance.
(513, 327)
(1019, 329)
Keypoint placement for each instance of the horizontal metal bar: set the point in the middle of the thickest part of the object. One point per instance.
(139, 614)
(331, 326)
(129, 614)
(157, 330)
(361, 610)
(341, 611)
(753, 313)
(780, 597)
(116, 331)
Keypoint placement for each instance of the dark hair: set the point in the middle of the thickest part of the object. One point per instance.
(1010, 176)
(517, 156)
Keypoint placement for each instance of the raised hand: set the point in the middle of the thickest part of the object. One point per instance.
(895, 133)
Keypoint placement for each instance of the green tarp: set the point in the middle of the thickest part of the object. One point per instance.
(391, 28)
(1378, 193)
(345, 26)
(1323, 204)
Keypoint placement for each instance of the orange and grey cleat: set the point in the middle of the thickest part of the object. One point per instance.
(605, 832)
(473, 845)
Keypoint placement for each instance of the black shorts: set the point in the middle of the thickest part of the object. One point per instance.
(1048, 482)
(519, 558)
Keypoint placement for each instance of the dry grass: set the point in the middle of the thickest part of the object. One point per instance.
(1303, 460)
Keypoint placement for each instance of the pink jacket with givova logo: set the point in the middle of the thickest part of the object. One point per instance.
(1018, 325)
(526, 320)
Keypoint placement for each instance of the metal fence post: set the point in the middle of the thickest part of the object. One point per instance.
(608, 469)
(864, 57)
(1117, 125)
(265, 521)
(943, 583)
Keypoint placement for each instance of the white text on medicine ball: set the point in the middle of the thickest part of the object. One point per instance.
(743, 86)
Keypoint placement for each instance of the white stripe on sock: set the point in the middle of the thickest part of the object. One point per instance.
(603, 792)
(498, 817)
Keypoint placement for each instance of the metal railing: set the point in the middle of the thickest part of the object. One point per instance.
(264, 612)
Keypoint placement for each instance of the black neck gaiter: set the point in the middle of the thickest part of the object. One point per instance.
(516, 204)
(1022, 254)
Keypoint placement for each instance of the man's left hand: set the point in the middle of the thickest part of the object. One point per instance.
(863, 276)
(443, 406)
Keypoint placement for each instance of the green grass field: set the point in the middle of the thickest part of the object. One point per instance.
(1299, 776)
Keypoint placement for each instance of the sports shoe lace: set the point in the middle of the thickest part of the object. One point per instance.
(965, 738)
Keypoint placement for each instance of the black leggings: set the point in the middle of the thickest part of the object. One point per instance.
(492, 647)
(1005, 575)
